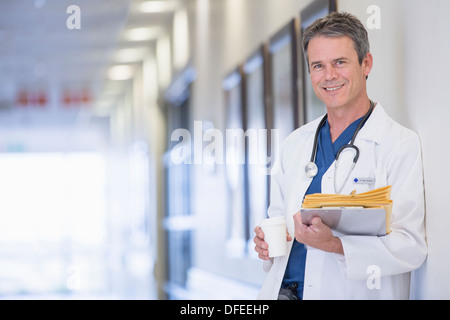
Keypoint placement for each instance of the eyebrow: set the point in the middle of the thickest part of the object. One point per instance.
(334, 60)
(341, 58)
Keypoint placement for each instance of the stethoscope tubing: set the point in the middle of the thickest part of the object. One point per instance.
(311, 169)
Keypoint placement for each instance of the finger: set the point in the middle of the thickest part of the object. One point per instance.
(316, 220)
(260, 242)
(298, 217)
(316, 224)
(264, 257)
(300, 232)
(262, 253)
(288, 236)
(259, 233)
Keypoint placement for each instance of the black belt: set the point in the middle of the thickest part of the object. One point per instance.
(289, 292)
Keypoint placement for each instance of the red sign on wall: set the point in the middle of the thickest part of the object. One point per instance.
(75, 98)
(39, 98)
(27, 98)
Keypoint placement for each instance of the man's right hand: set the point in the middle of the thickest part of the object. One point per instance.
(261, 246)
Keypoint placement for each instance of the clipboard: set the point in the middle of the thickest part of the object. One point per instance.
(349, 220)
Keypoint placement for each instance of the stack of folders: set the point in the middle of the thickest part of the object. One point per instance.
(367, 213)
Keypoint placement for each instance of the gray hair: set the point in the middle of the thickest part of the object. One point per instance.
(338, 24)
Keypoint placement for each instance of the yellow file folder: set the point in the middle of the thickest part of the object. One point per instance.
(375, 199)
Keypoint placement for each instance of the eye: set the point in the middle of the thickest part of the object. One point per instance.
(317, 66)
(340, 62)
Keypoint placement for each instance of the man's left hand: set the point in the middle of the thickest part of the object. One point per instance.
(317, 235)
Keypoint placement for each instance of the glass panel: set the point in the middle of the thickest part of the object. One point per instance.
(256, 144)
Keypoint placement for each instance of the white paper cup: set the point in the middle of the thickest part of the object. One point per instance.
(275, 235)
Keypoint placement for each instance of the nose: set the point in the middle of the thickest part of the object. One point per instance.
(330, 73)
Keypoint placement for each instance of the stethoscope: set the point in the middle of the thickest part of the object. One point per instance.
(311, 168)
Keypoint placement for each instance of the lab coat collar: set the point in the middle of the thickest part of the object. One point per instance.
(372, 129)
(312, 125)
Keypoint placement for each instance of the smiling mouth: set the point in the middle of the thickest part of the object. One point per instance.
(334, 88)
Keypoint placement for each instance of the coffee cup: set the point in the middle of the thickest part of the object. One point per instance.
(274, 229)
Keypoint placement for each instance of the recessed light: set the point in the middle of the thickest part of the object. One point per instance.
(120, 72)
(158, 6)
(130, 55)
(142, 34)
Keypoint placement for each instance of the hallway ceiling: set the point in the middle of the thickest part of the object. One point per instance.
(41, 58)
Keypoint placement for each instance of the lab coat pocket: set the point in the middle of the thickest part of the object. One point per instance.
(360, 184)
(362, 179)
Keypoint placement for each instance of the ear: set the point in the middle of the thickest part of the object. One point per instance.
(367, 64)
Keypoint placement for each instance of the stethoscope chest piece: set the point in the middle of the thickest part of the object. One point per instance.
(311, 169)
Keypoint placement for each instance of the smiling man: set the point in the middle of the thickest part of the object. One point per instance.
(322, 263)
(338, 77)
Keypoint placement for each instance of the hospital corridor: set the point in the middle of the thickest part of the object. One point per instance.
(138, 138)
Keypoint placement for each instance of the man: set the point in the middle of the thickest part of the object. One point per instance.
(323, 264)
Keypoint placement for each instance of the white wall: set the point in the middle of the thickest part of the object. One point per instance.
(409, 78)
(427, 48)
(386, 83)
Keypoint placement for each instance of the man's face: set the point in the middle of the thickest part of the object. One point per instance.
(336, 75)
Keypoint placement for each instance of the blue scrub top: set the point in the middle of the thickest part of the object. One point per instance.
(326, 153)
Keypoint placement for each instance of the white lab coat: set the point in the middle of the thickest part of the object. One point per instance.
(390, 154)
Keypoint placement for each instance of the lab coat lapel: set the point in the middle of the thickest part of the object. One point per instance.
(374, 128)
(301, 182)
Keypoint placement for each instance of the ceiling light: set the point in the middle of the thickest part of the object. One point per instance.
(181, 39)
(158, 6)
(120, 72)
(142, 34)
(130, 55)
